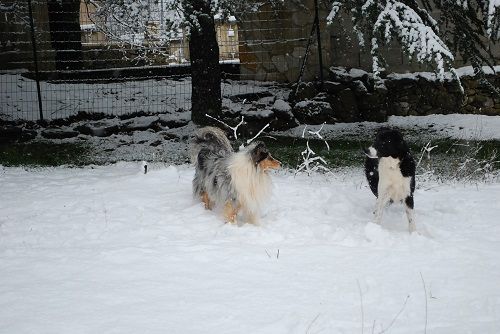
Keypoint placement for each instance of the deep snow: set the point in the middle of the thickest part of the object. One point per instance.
(111, 250)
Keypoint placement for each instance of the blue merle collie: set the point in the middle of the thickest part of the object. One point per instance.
(390, 170)
(235, 181)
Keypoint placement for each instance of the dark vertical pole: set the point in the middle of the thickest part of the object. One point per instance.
(35, 59)
(318, 36)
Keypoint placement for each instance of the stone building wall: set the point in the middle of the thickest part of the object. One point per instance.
(16, 50)
(273, 42)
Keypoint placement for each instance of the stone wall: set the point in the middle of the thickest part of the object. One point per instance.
(351, 96)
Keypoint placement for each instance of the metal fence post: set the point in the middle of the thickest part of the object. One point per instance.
(35, 60)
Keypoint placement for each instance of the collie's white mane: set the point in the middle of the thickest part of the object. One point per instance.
(252, 185)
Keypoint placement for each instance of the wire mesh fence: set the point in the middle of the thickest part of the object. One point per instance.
(80, 60)
(60, 58)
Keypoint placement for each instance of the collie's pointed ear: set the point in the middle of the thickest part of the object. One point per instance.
(258, 152)
(262, 158)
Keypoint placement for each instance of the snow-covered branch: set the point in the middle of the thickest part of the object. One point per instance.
(426, 149)
(417, 38)
(258, 133)
(462, 24)
(311, 162)
(333, 12)
(493, 19)
(234, 128)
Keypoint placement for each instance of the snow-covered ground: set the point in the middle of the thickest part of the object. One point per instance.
(455, 126)
(18, 96)
(112, 250)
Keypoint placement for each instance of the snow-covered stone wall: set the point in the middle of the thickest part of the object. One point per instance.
(350, 96)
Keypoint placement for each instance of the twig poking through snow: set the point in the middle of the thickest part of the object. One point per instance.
(317, 133)
(425, 295)
(396, 317)
(311, 162)
(312, 323)
(304, 131)
(426, 149)
(362, 311)
(268, 255)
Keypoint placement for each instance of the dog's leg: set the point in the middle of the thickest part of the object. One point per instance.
(409, 214)
(252, 217)
(382, 200)
(230, 212)
(206, 200)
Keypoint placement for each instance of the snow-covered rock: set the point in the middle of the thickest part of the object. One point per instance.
(313, 112)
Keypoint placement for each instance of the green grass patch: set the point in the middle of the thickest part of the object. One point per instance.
(450, 158)
(40, 153)
(342, 153)
(449, 154)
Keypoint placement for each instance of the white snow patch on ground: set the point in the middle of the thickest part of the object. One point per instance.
(111, 250)
(456, 126)
(431, 76)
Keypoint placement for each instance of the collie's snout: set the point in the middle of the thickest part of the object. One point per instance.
(269, 163)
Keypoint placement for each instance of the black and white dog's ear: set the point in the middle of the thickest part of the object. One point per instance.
(370, 152)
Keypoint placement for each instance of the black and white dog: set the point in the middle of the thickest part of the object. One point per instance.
(390, 171)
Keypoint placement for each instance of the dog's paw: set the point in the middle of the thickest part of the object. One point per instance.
(412, 228)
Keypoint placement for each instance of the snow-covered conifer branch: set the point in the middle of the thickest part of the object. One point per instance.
(462, 24)
(417, 38)
(493, 19)
(333, 12)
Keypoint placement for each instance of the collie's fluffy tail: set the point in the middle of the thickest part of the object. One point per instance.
(209, 139)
